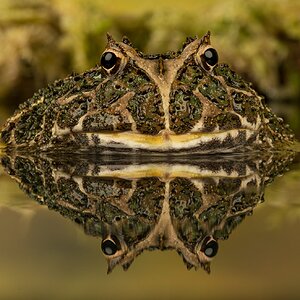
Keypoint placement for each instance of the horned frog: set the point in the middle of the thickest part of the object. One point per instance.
(175, 102)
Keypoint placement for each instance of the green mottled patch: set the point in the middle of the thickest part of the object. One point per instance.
(50, 117)
(212, 89)
(244, 199)
(64, 142)
(89, 80)
(81, 139)
(185, 200)
(190, 74)
(246, 106)
(134, 229)
(70, 192)
(106, 189)
(231, 78)
(108, 212)
(109, 93)
(209, 124)
(146, 109)
(147, 198)
(6, 132)
(227, 186)
(275, 129)
(185, 110)
(184, 197)
(189, 230)
(104, 121)
(229, 225)
(274, 123)
(98, 122)
(228, 121)
(29, 125)
(134, 77)
(71, 112)
(30, 176)
(122, 124)
(215, 214)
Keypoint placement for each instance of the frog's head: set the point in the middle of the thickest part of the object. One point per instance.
(179, 100)
(175, 101)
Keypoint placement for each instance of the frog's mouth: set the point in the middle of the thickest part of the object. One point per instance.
(166, 141)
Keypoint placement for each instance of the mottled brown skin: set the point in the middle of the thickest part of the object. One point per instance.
(167, 95)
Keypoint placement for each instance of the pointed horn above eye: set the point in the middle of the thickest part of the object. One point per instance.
(206, 39)
(110, 39)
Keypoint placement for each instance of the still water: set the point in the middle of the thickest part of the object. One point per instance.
(221, 227)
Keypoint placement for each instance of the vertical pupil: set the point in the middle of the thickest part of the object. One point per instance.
(108, 60)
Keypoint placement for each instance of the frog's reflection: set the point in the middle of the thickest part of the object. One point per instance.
(146, 205)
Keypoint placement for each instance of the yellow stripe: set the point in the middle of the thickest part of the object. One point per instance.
(166, 140)
(167, 172)
(160, 139)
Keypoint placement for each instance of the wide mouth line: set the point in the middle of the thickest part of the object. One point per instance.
(164, 134)
(167, 172)
(166, 140)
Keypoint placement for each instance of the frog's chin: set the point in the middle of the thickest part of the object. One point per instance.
(221, 141)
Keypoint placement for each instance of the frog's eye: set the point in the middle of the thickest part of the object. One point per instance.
(209, 247)
(109, 246)
(110, 62)
(209, 58)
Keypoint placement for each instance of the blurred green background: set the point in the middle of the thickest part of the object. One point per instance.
(43, 40)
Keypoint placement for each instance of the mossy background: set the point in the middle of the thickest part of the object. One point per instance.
(43, 40)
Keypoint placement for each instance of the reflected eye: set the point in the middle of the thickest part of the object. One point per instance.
(210, 247)
(209, 58)
(108, 60)
(109, 247)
